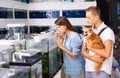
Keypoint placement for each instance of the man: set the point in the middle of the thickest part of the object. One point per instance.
(93, 18)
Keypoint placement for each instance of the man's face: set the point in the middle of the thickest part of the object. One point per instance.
(91, 19)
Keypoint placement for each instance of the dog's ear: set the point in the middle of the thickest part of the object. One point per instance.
(83, 27)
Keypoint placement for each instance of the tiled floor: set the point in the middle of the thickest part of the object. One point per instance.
(58, 75)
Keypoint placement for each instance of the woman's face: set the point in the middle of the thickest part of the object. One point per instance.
(61, 28)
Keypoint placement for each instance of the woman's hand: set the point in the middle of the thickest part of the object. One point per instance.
(59, 40)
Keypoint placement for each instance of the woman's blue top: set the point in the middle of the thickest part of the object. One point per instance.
(73, 43)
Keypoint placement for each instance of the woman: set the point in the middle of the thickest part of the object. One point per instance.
(71, 44)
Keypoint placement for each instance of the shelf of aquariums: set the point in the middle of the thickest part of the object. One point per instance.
(59, 5)
(4, 22)
(10, 6)
(49, 22)
(40, 7)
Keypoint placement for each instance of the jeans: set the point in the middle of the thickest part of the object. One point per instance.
(64, 75)
(102, 74)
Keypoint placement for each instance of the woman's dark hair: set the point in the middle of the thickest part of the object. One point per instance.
(64, 21)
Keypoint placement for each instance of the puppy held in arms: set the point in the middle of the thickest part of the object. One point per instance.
(95, 42)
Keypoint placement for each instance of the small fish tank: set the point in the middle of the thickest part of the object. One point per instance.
(5, 55)
(27, 62)
(15, 31)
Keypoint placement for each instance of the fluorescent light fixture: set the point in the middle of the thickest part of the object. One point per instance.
(15, 25)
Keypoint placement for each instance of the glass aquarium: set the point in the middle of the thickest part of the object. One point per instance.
(20, 14)
(6, 13)
(74, 13)
(78, 29)
(44, 14)
(12, 73)
(28, 63)
(3, 32)
(38, 29)
(46, 61)
(15, 31)
(52, 60)
(5, 55)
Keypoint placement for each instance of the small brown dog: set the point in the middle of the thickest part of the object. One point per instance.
(95, 42)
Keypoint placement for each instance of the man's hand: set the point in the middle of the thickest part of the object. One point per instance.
(98, 59)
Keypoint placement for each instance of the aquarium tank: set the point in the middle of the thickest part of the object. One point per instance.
(52, 60)
(50, 53)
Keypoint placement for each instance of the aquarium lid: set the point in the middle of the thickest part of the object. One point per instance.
(29, 52)
(29, 61)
